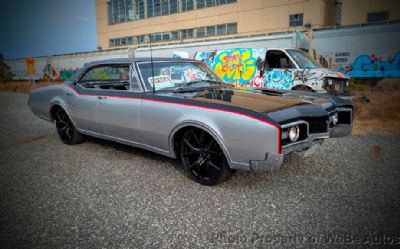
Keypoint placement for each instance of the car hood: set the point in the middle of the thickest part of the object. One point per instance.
(259, 100)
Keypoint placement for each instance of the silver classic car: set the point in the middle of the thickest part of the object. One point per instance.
(181, 109)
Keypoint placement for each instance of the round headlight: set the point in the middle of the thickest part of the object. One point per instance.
(294, 133)
(335, 119)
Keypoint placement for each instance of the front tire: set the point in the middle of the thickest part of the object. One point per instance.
(203, 159)
(66, 129)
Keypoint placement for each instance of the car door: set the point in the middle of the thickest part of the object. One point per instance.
(279, 70)
(119, 109)
(82, 102)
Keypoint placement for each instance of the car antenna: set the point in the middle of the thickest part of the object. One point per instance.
(152, 69)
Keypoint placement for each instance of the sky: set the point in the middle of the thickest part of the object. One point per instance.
(46, 27)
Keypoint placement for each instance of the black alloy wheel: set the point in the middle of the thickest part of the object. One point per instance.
(66, 129)
(203, 159)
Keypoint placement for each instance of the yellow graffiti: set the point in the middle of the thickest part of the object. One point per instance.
(235, 66)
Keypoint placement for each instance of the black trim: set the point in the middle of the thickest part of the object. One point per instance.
(150, 96)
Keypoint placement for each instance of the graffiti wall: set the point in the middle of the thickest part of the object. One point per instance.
(369, 66)
(361, 52)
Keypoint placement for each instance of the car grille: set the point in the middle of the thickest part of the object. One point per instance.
(318, 125)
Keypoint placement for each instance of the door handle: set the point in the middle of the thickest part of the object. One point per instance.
(101, 97)
(70, 94)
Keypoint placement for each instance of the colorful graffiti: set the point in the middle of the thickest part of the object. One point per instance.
(366, 66)
(245, 68)
(65, 74)
(236, 65)
(278, 79)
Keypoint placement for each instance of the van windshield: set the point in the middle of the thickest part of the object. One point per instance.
(303, 59)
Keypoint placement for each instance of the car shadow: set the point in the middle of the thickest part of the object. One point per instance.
(291, 167)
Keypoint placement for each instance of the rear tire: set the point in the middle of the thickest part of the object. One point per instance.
(66, 129)
(203, 159)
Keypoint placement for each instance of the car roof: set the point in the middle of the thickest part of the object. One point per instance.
(137, 59)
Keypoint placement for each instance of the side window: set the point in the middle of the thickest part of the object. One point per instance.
(111, 77)
(277, 59)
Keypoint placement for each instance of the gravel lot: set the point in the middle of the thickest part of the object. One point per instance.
(102, 194)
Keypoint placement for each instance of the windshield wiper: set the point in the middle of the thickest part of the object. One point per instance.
(185, 88)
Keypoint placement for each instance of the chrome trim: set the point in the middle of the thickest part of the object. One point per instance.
(293, 124)
(271, 162)
(303, 144)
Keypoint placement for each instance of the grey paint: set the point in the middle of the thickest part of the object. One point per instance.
(151, 124)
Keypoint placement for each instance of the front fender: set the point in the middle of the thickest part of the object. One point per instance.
(200, 125)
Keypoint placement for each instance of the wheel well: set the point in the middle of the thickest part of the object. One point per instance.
(177, 139)
(53, 110)
(302, 87)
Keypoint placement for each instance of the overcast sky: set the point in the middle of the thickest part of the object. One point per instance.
(46, 27)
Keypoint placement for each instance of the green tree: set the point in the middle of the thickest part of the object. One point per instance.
(5, 72)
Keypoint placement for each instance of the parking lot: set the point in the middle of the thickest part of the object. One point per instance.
(102, 194)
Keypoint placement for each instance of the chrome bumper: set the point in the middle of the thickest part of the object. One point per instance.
(340, 130)
(271, 162)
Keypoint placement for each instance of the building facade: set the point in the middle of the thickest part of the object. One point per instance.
(355, 12)
(133, 23)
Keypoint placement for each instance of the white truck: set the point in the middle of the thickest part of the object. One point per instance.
(274, 68)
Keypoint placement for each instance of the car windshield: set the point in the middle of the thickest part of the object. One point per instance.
(173, 75)
(303, 59)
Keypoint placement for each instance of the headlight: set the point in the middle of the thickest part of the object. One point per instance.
(335, 119)
(294, 133)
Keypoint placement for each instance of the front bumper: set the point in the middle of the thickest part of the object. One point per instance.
(271, 162)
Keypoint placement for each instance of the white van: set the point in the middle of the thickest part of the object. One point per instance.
(274, 68)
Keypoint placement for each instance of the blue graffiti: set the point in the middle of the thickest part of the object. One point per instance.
(365, 67)
(278, 79)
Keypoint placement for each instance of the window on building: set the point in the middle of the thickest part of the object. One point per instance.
(201, 32)
(221, 29)
(119, 11)
(187, 5)
(210, 3)
(140, 9)
(296, 20)
(232, 28)
(129, 40)
(156, 7)
(378, 17)
(210, 30)
(164, 7)
(173, 6)
(201, 4)
(174, 35)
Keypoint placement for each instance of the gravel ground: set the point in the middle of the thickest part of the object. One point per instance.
(102, 194)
